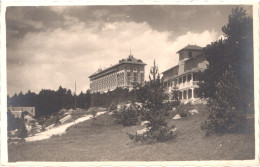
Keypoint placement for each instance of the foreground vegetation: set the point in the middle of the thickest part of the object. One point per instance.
(105, 140)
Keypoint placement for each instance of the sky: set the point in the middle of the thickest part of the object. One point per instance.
(52, 46)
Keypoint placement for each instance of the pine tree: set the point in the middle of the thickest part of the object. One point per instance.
(152, 96)
(226, 110)
(22, 131)
(236, 50)
(228, 80)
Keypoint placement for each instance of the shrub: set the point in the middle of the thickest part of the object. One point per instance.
(22, 131)
(127, 115)
(12, 123)
(223, 119)
(159, 134)
(226, 110)
(175, 93)
(112, 107)
(183, 113)
(183, 109)
(168, 106)
(57, 120)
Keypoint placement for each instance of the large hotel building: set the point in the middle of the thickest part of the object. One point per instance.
(184, 75)
(125, 74)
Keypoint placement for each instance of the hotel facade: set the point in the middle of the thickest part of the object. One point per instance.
(127, 73)
(183, 76)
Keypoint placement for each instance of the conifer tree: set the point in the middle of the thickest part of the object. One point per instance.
(152, 96)
(228, 80)
(22, 131)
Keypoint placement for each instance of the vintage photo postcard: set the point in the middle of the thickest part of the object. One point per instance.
(129, 83)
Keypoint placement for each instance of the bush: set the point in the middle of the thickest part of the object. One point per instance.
(112, 107)
(226, 109)
(183, 109)
(57, 120)
(223, 119)
(127, 115)
(183, 113)
(22, 131)
(159, 134)
(168, 106)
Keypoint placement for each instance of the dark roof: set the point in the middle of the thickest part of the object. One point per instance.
(177, 66)
(191, 47)
(129, 60)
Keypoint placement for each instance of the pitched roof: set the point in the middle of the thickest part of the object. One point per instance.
(191, 47)
(129, 60)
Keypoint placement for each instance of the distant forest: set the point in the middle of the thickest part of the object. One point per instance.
(48, 101)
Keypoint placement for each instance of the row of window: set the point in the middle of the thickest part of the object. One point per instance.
(135, 74)
(103, 83)
(134, 69)
(183, 79)
(135, 79)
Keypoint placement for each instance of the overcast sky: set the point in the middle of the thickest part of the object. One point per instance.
(52, 46)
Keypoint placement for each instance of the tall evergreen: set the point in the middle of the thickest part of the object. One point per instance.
(236, 50)
(228, 80)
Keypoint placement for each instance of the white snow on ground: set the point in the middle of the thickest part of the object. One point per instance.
(142, 131)
(59, 130)
(144, 123)
(194, 111)
(177, 117)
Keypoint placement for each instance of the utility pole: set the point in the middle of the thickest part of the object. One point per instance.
(75, 97)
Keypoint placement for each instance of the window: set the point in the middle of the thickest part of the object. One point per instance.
(195, 77)
(189, 77)
(184, 78)
(189, 93)
(180, 80)
(135, 79)
(195, 92)
(181, 55)
(135, 74)
(190, 54)
(184, 94)
(128, 74)
(180, 95)
(142, 74)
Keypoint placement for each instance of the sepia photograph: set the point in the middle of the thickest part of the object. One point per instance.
(130, 83)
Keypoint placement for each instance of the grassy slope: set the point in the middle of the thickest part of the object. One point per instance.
(102, 140)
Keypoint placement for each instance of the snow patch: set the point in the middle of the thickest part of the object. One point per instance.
(60, 130)
(174, 129)
(144, 123)
(193, 111)
(176, 117)
(65, 118)
(142, 131)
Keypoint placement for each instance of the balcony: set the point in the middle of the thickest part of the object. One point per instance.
(185, 84)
